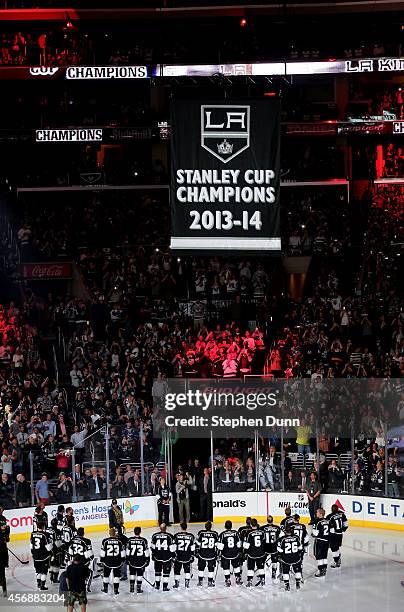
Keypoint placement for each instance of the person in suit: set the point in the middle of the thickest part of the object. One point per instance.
(290, 481)
(81, 482)
(152, 484)
(134, 485)
(119, 487)
(302, 481)
(205, 496)
(61, 428)
(95, 485)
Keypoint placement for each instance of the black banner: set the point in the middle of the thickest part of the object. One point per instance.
(225, 176)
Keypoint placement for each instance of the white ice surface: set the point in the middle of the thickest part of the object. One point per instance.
(368, 581)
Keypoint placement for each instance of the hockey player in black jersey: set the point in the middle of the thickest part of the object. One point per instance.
(138, 558)
(244, 529)
(163, 548)
(290, 552)
(254, 544)
(207, 553)
(39, 515)
(184, 555)
(68, 532)
(53, 536)
(272, 535)
(41, 550)
(230, 547)
(4, 539)
(70, 518)
(60, 517)
(82, 546)
(301, 531)
(288, 518)
(321, 534)
(338, 525)
(112, 556)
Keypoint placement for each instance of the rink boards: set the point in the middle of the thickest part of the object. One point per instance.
(92, 515)
(379, 512)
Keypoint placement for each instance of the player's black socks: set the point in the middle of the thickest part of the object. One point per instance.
(200, 582)
(43, 587)
(238, 580)
(227, 582)
(105, 588)
(139, 588)
(287, 586)
(176, 584)
(165, 587)
(132, 586)
(297, 585)
(116, 589)
(187, 584)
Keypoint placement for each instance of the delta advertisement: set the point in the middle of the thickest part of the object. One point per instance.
(384, 512)
(361, 511)
(92, 515)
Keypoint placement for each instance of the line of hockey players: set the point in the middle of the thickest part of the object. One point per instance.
(54, 544)
(280, 547)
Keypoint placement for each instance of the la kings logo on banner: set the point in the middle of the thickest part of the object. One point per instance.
(225, 130)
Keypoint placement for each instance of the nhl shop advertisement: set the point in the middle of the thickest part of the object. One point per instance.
(225, 176)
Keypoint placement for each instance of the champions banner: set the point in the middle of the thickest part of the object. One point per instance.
(225, 176)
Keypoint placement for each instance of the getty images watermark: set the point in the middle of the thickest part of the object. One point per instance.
(195, 408)
(206, 401)
(233, 408)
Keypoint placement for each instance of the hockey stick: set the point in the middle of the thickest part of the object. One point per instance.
(148, 582)
(18, 558)
(217, 567)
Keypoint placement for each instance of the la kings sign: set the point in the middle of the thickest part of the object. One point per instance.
(225, 130)
(225, 176)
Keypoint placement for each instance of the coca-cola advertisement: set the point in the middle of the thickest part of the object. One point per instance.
(45, 270)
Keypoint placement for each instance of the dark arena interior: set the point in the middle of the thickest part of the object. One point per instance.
(201, 305)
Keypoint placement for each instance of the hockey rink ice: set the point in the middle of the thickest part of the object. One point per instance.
(368, 581)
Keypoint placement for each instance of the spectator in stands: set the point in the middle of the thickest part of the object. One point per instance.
(42, 490)
(22, 492)
(64, 489)
(205, 501)
(96, 485)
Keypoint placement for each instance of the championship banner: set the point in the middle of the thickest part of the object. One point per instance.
(225, 176)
